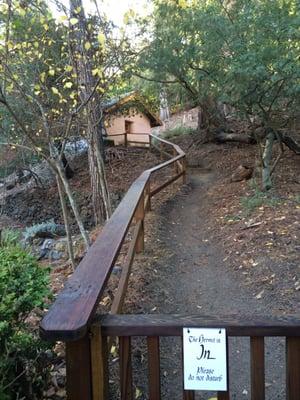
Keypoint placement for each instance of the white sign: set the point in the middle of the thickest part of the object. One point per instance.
(204, 359)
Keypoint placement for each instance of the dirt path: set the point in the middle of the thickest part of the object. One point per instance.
(189, 276)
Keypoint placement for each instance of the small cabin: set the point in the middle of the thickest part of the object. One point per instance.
(129, 120)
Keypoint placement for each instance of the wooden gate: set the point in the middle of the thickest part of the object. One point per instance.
(72, 318)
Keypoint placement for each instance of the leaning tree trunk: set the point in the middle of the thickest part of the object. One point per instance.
(266, 161)
(73, 204)
(66, 220)
(93, 112)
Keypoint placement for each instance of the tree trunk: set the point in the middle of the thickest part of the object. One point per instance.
(93, 112)
(266, 161)
(66, 220)
(73, 205)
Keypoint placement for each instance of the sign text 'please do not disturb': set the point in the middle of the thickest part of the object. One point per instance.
(204, 359)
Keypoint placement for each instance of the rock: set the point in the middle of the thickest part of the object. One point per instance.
(55, 255)
(47, 244)
(116, 270)
(242, 173)
(61, 246)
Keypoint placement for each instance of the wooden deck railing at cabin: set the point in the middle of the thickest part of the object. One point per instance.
(72, 319)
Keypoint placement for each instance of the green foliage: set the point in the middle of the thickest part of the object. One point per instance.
(242, 53)
(10, 237)
(258, 199)
(23, 288)
(49, 226)
(178, 131)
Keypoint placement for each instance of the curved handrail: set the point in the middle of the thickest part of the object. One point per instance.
(70, 315)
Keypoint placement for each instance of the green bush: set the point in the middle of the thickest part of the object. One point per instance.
(23, 288)
(10, 237)
(178, 131)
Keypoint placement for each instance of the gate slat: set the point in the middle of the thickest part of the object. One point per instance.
(223, 396)
(153, 367)
(99, 364)
(257, 347)
(293, 368)
(188, 395)
(125, 368)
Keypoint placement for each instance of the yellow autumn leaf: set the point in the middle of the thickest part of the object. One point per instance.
(68, 68)
(138, 393)
(101, 39)
(51, 72)
(54, 90)
(68, 85)
(87, 45)
(63, 18)
(73, 21)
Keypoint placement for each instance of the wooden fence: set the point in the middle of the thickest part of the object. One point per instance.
(72, 319)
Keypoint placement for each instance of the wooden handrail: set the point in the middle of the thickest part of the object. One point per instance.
(172, 325)
(69, 317)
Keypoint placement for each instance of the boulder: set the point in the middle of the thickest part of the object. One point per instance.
(242, 173)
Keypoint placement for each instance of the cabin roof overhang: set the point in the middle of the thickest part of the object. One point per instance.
(134, 99)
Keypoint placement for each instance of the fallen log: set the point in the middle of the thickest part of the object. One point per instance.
(222, 137)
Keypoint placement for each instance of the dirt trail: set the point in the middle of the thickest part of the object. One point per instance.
(191, 277)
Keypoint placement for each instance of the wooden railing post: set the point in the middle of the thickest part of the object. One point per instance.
(139, 216)
(257, 357)
(293, 368)
(99, 364)
(78, 369)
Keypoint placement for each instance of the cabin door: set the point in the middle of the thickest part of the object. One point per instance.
(128, 125)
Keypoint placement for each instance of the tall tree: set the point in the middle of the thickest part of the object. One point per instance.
(82, 57)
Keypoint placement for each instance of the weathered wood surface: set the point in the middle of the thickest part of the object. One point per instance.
(153, 367)
(78, 369)
(125, 369)
(257, 357)
(223, 396)
(70, 315)
(293, 368)
(171, 325)
(126, 269)
(188, 395)
(99, 364)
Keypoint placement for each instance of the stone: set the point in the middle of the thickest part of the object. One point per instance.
(55, 255)
(241, 173)
(116, 270)
(61, 246)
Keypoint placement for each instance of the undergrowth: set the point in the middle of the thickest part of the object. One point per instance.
(258, 199)
(23, 289)
(178, 131)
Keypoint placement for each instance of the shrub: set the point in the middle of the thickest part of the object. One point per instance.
(178, 131)
(44, 229)
(10, 237)
(258, 199)
(23, 288)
